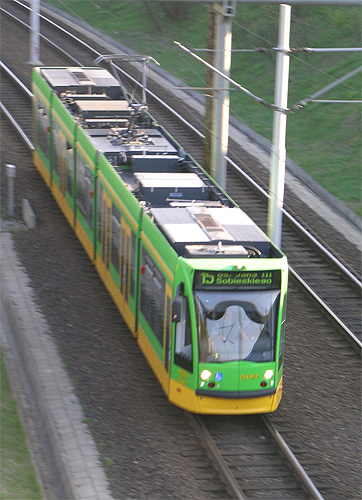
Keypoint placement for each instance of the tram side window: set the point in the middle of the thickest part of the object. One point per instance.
(42, 127)
(85, 190)
(183, 338)
(133, 264)
(100, 229)
(57, 146)
(116, 234)
(69, 155)
(153, 295)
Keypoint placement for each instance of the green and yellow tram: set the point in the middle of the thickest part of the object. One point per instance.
(197, 282)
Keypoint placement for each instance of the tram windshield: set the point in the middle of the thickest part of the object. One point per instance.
(235, 325)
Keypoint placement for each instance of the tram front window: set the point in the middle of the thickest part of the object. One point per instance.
(236, 325)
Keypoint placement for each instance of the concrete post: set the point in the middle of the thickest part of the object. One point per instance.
(217, 119)
(35, 33)
(278, 150)
(11, 174)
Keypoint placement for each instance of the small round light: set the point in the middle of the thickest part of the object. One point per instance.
(205, 375)
(268, 374)
(211, 384)
(263, 383)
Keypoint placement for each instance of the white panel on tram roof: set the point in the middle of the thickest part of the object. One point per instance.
(70, 77)
(102, 77)
(235, 221)
(184, 233)
(232, 220)
(224, 215)
(179, 225)
(231, 216)
(246, 234)
(58, 77)
(103, 106)
(172, 179)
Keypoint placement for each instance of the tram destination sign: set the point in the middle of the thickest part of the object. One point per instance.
(232, 280)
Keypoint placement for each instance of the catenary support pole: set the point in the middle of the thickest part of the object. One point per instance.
(278, 151)
(219, 109)
(35, 33)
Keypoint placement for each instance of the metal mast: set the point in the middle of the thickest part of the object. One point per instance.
(278, 151)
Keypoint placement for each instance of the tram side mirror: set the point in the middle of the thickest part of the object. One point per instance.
(176, 304)
(176, 311)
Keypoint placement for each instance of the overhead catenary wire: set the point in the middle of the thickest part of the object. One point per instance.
(233, 82)
(301, 103)
(258, 49)
(291, 51)
(328, 49)
(335, 101)
(324, 90)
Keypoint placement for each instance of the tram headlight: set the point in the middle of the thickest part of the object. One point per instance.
(205, 375)
(268, 374)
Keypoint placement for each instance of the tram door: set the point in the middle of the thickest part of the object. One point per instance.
(183, 356)
(106, 229)
(126, 249)
(63, 168)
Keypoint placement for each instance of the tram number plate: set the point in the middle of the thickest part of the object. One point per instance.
(249, 376)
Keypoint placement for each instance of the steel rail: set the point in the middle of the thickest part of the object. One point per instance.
(224, 470)
(20, 84)
(229, 477)
(60, 28)
(96, 53)
(7, 113)
(17, 127)
(292, 459)
(19, 21)
(353, 337)
(221, 465)
(326, 252)
(212, 448)
(47, 40)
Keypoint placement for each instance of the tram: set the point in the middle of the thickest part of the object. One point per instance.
(200, 286)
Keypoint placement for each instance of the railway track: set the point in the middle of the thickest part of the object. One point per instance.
(254, 460)
(252, 445)
(15, 107)
(319, 270)
(251, 201)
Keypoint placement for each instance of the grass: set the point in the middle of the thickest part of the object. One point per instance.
(17, 476)
(323, 139)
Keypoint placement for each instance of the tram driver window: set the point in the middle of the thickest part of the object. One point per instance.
(183, 338)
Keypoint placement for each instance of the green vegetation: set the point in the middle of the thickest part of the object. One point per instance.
(324, 139)
(18, 481)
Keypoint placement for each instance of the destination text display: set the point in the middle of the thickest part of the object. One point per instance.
(217, 280)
